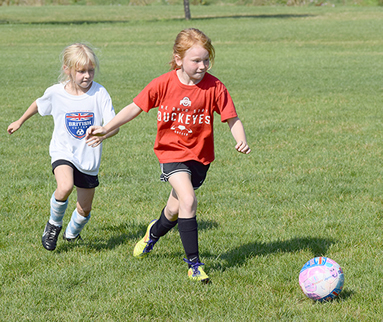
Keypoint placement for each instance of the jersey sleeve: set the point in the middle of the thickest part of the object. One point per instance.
(149, 97)
(225, 104)
(44, 103)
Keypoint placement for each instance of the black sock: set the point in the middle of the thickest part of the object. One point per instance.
(162, 226)
(188, 229)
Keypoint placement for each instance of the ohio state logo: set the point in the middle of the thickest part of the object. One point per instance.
(185, 101)
(78, 122)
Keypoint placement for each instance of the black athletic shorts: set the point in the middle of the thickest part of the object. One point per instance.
(81, 180)
(196, 169)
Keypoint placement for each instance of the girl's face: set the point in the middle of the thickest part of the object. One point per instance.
(82, 77)
(193, 65)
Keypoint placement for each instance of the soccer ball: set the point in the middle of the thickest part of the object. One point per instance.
(321, 279)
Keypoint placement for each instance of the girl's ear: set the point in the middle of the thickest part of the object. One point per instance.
(66, 70)
(178, 60)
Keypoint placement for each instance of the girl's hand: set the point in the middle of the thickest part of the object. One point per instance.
(96, 134)
(13, 127)
(239, 135)
(94, 141)
(242, 147)
(31, 110)
(94, 130)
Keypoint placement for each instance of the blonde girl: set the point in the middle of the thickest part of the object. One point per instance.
(76, 103)
(186, 98)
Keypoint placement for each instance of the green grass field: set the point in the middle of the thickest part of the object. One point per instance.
(307, 85)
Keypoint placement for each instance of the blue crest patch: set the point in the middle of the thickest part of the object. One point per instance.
(78, 122)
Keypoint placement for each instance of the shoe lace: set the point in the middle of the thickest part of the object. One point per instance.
(194, 265)
(149, 245)
(52, 232)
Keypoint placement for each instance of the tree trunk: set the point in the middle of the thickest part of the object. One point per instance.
(187, 10)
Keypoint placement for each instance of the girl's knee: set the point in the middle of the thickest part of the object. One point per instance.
(63, 191)
(171, 212)
(189, 203)
(84, 211)
(84, 201)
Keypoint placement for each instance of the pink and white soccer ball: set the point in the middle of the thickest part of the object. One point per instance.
(321, 279)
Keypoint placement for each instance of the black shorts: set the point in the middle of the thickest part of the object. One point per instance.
(81, 180)
(196, 169)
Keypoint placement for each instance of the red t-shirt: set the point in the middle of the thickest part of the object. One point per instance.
(185, 116)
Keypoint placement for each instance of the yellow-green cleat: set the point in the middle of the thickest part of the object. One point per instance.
(145, 245)
(196, 272)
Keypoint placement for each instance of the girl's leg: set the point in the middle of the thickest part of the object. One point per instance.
(183, 197)
(168, 218)
(84, 201)
(59, 200)
(155, 230)
(169, 215)
(158, 228)
(81, 214)
(64, 179)
(187, 222)
(59, 203)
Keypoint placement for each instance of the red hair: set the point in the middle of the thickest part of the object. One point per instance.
(186, 39)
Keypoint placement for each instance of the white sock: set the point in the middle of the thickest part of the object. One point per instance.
(57, 211)
(76, 224)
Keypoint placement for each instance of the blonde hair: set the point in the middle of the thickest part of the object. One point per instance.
(75, 56)
(186, 39)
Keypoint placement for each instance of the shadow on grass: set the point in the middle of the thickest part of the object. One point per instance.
(206, 224)
(239, 255)
(120, 235)
(86, 22)
(346, 294)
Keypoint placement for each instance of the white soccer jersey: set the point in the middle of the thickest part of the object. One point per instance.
(72, 116)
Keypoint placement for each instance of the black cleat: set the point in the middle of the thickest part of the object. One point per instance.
(72, 240)
(50, 235)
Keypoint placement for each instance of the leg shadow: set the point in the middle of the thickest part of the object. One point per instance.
(239, 255)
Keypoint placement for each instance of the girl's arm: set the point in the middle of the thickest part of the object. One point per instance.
(127, 114)
(238, 132)
(96, 140)
(31, 110)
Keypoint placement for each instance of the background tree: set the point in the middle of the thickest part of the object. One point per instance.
(187, 10)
